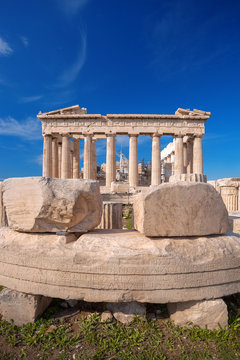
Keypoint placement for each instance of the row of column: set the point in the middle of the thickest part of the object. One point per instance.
(60, 161)
(188, 156)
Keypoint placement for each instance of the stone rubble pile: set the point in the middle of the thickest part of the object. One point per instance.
(183, 209)
(180, 255)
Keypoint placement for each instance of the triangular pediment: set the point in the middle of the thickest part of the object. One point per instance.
(75, 109)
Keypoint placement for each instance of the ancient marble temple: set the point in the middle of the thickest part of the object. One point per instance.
(64, 128)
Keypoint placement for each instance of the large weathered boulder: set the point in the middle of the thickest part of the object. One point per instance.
(210, 313)
(39, 204)
(180, 209)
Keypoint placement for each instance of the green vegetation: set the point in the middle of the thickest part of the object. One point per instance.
(127, 217)
(85, 337)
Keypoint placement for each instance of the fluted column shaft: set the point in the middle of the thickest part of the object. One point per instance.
(190, 157)
(87, 157)
(66, 161)
(76, 159)
(197, 155)
(59, 159)
(185, 158)
(94, 159)
(114, 158)
(109, 160)
(47, 156)
(156, 160)
(55, 158)
(178, 164)
(133, 161)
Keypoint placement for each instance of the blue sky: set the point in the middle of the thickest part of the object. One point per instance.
(119, 56)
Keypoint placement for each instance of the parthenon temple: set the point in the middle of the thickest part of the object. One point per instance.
(61, 156)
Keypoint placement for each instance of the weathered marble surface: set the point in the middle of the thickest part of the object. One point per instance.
(207, 312)
(125, 312)
(21, 307)
(3, 221)
(234, 221)
(120, 266)
(39, 204)
(180, 209)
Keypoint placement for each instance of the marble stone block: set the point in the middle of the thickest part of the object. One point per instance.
(20, 307)
(203, 313)
(125, 312)
(180, 209)
(39, 204)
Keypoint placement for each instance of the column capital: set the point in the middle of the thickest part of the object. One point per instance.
(87, 135)
(156, 135)
(133, 135)
(198, 136)
(65, 135)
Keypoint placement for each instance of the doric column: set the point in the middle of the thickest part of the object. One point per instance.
(172, 161)
(178, 164)
(133, 161)
(71, 162)
(114, 158)
(230, 197)
(190, 156)
(59, 159)
(65, 167)
(156, 160)
(94, 159)
(76, 158)
(109, 160)
(197, 155)
(185, 158)
(47, 156)
(111, 216)
(87, 157)
(55, 158)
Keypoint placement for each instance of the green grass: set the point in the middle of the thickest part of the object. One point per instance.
(88, 338)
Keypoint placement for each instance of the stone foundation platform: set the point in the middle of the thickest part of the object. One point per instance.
(120, 266)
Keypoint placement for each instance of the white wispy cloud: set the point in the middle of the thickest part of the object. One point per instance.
(25, 41)
(28, 99)
(71, 7)
(29, 128)
(5, 48)
(70, 74)
(38, 159)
